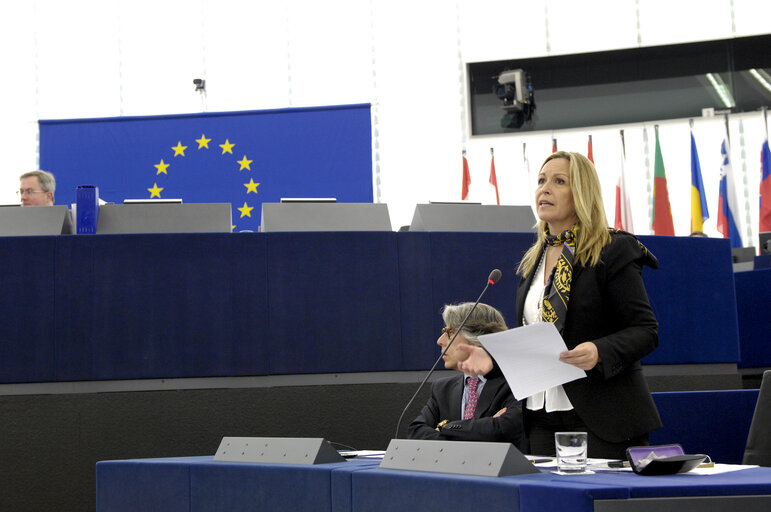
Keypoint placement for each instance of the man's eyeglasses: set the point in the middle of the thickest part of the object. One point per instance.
(28, 192)
(448, 331)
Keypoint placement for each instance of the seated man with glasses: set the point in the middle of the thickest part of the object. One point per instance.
(36, 188)
(466, 408)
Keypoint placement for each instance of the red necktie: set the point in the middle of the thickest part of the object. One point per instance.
(471, 403)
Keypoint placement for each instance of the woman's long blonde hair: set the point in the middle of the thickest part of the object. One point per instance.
(592, 226)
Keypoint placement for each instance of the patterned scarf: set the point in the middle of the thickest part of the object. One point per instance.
(556, 293)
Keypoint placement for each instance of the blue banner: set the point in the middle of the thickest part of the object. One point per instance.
(243, 158)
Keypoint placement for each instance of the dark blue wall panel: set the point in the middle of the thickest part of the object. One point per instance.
(202, 305)
(753, 302)
(27, 308)
(692, 294)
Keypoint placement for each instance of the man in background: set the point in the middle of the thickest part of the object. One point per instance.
(36, 188)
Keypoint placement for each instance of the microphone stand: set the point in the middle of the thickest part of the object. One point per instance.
(495, 275)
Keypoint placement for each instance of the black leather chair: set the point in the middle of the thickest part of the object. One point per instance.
(758, 449)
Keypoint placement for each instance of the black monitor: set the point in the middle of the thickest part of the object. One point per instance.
(765, 242)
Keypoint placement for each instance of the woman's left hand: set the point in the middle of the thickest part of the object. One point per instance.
(584, 356)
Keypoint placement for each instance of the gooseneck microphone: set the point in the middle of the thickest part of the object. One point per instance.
(493, 278)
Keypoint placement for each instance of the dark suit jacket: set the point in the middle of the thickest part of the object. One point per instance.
(445, 403)
(609, 306)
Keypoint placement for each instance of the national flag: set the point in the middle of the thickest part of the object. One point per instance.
(589, 153)
(699, 211)
(241, 158)
(662, 211)
(623, 216)
(765, 188)
(728, 203)
(466, 178)
(493, 178)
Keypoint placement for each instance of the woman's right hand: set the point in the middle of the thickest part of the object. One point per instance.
(477, 363)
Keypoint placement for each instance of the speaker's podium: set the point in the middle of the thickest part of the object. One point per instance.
(161, 217)
(473, 217)
(325, 216)
(16, 220)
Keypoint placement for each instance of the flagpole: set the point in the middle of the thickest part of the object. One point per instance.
(727, 132)
(765, 119)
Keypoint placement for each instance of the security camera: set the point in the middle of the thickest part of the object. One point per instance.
(200, 84)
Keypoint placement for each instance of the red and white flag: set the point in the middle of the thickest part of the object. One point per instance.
(466, 178)
(623, 216)
(493, 178)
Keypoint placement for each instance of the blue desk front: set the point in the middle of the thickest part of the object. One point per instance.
(199, 484)
(753, 296)
(106, 307)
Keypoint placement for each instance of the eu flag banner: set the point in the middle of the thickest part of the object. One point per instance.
(242, 158)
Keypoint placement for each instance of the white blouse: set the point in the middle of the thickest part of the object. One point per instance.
(553, 399)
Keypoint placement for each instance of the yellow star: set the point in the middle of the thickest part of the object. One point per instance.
(251, 186)
(155, 191)
(161, 167)
(227, 147)
(179, 149)
(245, 164)
(246, 211)
(203, 142)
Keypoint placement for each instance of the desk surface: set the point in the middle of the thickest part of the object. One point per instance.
(199, 483)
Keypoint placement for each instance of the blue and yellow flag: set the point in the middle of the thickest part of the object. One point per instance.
(699, 211)
(243, 158)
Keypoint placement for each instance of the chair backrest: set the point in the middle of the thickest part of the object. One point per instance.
(758, 450)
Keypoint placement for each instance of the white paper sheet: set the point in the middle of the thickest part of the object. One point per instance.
(528, 356)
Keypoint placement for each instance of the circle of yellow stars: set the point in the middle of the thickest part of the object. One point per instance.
(203, 143)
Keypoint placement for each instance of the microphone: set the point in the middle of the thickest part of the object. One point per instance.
(493, 278)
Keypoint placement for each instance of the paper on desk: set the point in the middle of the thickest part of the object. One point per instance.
(528, 356)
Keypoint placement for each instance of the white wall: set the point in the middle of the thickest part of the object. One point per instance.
(89, 58)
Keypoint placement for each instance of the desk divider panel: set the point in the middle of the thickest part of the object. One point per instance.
(35, 221)
(312, 216)
(476, 218)
(458, 457)
(277, 450)
(164, 218)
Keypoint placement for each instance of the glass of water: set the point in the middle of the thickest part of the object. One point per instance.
(571, 451)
